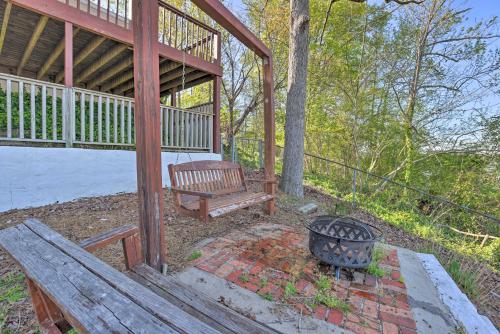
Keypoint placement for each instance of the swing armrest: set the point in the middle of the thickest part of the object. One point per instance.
(193, 192)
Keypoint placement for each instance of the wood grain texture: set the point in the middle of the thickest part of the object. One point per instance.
(147, 131)
(77, 291)
(198, 304)
(101, 240)
(42, 22)
(212, 188)
(140, 295)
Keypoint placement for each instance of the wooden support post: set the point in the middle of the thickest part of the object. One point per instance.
(53, 56)
(216, 115)
(5, 24)
(68, 83)
(147, 129)
(87, 50)
(47, 313)
(269, 131)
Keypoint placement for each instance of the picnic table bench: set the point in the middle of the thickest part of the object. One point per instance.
(71, 288)
(210, 188)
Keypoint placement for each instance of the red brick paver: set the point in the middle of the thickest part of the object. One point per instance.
(264, 261)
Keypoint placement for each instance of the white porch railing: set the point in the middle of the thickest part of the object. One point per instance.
(39, 111)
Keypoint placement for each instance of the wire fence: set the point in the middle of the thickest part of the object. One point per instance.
(427, 215)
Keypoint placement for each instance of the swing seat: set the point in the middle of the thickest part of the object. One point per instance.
(209, 189)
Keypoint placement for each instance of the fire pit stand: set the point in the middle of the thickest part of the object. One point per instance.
(342, 241)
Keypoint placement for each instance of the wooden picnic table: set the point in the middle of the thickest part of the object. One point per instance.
(71, 288)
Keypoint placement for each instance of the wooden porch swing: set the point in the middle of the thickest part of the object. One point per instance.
(71, 288)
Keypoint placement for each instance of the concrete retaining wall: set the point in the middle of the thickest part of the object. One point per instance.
(31, 177)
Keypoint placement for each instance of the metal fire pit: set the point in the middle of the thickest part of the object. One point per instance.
(342, 241)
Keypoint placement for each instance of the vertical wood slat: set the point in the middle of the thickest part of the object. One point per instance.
(115, 120)
(21, 109)
(165, 126)
(82, 116)
(122, 121)
(33, 111)
(9, 108)
(64, 112)
(171, 133)
(129, 123)
(54, 113)
(107, 120)
(91, 118)
(99, 119)
(44, 112)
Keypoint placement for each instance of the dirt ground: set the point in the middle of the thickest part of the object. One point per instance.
(83, 218)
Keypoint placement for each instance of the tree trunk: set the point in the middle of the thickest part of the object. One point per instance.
(293, 157)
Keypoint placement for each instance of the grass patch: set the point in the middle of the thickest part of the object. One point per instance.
(465, 278)
(332, 302)
(290, 290)
(12, 288)
(267, 296)
(373, 268)
(195, 255)
(263, 282)
(323, 283)
(244, 278)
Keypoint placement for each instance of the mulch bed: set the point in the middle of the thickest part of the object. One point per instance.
(83, 218)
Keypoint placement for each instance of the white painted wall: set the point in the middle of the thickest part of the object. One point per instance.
(31, 176)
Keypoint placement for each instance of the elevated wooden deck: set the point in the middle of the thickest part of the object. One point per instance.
(32, 44)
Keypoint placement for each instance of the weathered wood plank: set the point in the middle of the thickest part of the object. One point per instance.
(103, 60)
(148, 300)
(53, 57)
(89, 304)
(21, 109)
(198, 304)
(9, 107)
(32, 43)
(5, 24)
(101, 240)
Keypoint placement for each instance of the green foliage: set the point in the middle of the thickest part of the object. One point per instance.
(323, 283)
(267, 296)
(373, 268)
(466, 279)
(244, 278)
(290, 290)
(195, 255)
(332, 302)
(12, 288)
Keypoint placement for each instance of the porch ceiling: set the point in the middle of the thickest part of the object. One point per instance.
(99, 63)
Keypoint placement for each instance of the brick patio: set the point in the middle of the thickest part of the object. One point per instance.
(265, 258)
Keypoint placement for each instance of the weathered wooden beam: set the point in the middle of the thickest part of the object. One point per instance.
(86, 51)
(103, 60)
(178, 82)
(190, 60)
(111, 72)
(175, 75)
(5, 24)
(223, 16)
(129, 75)
(216, 112)
(147, 131)
(121, 79)
(40, 26)
(53, 56)
(61, 11)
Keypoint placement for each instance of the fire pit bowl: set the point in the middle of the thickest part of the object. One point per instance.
(342, 241)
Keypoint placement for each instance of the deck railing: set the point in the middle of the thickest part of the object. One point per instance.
(31, 110)
(39, 111)
(175, 28)
(183, 32)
